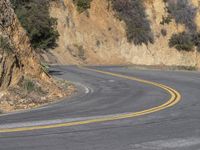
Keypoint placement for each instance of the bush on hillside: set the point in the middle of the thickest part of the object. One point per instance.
(163, 32)
(34, 17)
(132, 12)
(182, 41)
(166, 20)
(82, 5)
(28, 86)
(183, 12)
(196, 40)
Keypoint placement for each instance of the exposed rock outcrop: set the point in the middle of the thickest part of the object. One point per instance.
(22, 61)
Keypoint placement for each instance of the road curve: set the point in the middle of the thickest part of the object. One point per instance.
(115, 108)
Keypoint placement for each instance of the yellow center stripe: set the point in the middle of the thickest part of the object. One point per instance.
(174, 99)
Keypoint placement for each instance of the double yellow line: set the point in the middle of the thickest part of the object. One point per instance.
(174, 99)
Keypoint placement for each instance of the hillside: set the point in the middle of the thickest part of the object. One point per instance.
(23, 81)
(100, 33)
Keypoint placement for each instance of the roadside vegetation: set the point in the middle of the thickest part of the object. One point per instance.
(183, 12)
(28, 86)
(185, 41)
(133, 13)
(34, 17)
(31, 86)
(181, 41)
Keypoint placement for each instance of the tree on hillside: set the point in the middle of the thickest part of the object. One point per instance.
(34, 17)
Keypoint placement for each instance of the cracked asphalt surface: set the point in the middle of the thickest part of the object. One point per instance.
(176, 128)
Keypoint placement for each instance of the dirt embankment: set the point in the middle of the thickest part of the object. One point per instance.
(97, 36)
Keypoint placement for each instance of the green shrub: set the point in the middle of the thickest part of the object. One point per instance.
(185, 41)
(28, 85)
(183, 12)
(81, 51)
(166, 20)
(82, 5)
(34, 17)
(5, 45)
(163, 32)
(196, 40)
(45, 67)
(31, 86)
(98, 43)
(132, 12)
(181, 41)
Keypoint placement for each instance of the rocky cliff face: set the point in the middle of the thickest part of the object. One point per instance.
(9, 62)
(23, 82)
(98, 37)
(22, 60)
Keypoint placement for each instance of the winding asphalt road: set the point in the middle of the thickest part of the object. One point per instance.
(112, 110)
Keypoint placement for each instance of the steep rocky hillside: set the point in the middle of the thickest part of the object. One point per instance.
(23, 82)
(98, 35)
(21, 58)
